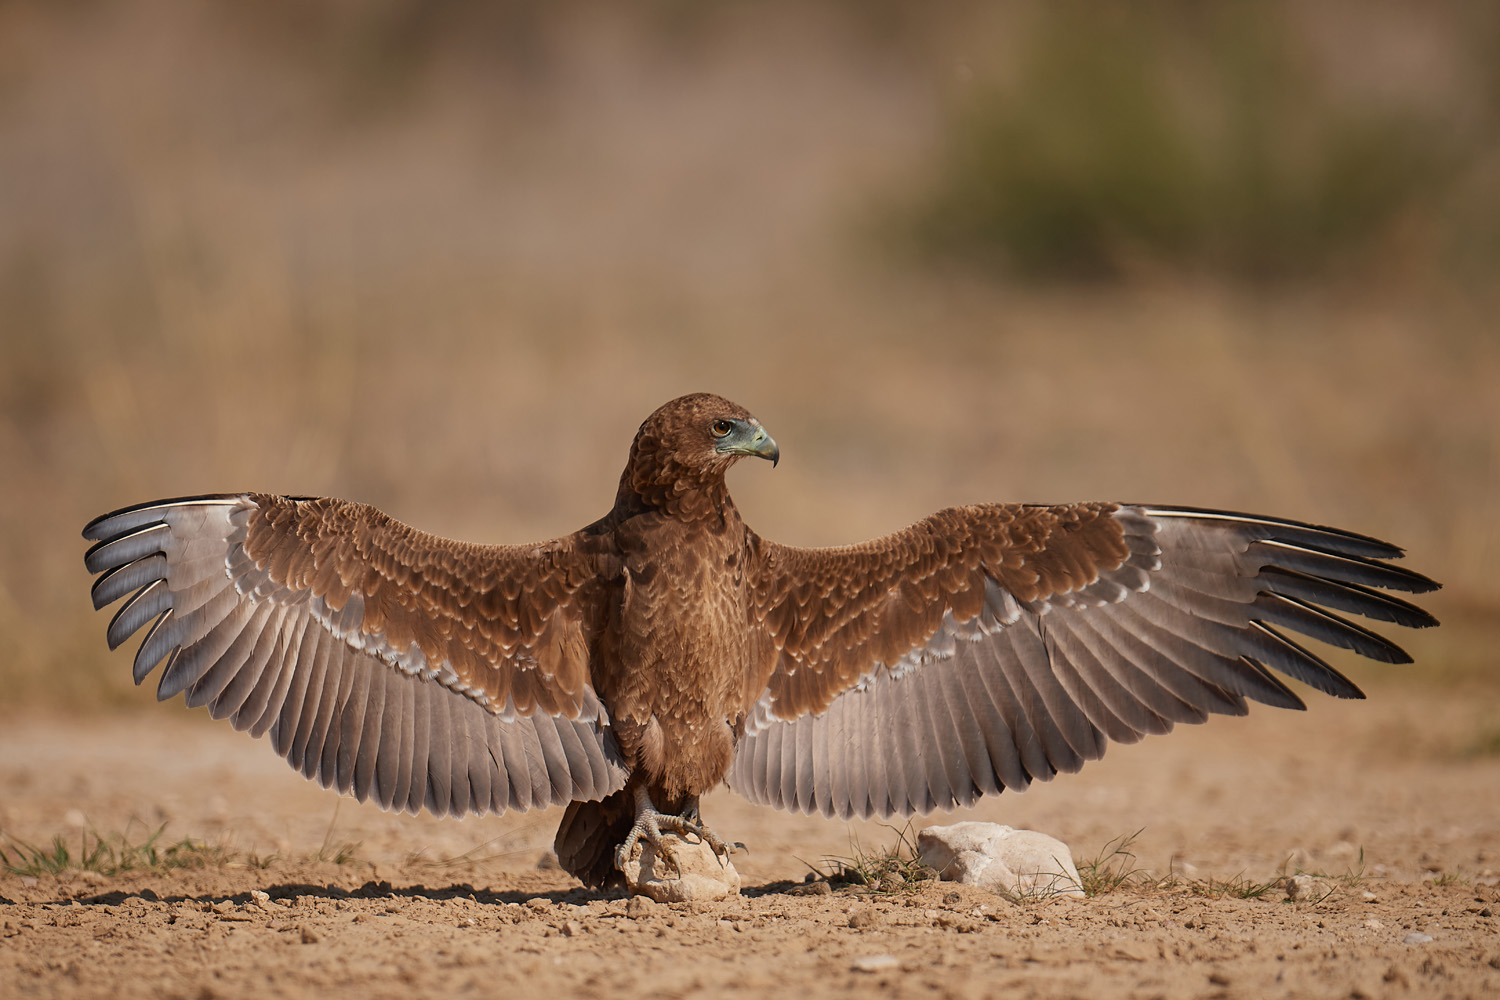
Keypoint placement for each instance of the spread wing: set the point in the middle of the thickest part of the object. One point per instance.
(384, 661)
(988, 646)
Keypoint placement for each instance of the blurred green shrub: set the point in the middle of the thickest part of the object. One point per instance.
(1201, 136)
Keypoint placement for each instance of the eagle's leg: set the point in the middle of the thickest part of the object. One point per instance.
(651, 824)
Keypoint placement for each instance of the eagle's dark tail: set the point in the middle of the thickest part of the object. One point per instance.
(588, 835)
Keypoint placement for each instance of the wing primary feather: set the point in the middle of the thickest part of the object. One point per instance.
(117, 522)
(1125, 718)
(127, 548)
(1296, 532)
(1197, 696)
(251, 645)
(277, 683)
(1341, 567)
(289, 638)
(191, 661)
(121, 580)
(1204, 648)
(1278, 609)
(151, 601)
(1282, 653)
(186, 628)
(1350, 597)
(262, 703)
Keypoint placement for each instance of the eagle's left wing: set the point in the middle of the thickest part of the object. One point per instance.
(988, 646)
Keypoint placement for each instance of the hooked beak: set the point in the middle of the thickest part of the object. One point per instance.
(752, 440)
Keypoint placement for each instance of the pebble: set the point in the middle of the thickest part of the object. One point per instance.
(811, 889)
(641, 906)
(1416, 938)
(1307, 888)
(875, 963)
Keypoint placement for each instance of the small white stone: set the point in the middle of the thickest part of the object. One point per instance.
(875, 963)
(695, 874)
(996, 857)
(1416, 938)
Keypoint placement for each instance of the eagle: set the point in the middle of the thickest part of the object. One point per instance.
(626, 669)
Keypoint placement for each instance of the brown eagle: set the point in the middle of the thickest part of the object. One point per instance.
(628, 668)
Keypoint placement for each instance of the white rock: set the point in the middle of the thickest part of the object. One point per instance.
(693, 873)
(995, 857)
(875, 963)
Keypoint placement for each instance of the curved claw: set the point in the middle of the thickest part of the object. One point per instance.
(650, 824)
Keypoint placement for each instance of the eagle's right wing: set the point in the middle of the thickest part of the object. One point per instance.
(390, 663)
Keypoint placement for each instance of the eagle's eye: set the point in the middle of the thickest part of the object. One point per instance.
(722, 427)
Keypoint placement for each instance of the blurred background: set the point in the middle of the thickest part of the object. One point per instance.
(444, 257)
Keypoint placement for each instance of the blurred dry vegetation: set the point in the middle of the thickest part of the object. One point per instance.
(443, 257)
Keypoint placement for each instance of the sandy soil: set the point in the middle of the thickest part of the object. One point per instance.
(1382, 789)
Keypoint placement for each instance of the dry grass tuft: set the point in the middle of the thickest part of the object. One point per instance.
(110, 854)
(883, 871)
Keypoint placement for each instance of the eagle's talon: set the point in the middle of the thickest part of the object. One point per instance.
(651, 824)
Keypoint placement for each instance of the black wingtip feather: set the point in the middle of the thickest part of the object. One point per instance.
(93, 531)
(1339, 541)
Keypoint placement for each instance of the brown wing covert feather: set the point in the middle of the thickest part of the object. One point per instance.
(390, 663)
(820, 618)
(509, 626)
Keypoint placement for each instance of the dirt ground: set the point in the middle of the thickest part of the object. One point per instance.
(1388, 793)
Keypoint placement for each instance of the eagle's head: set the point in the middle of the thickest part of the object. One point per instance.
(688, 444)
